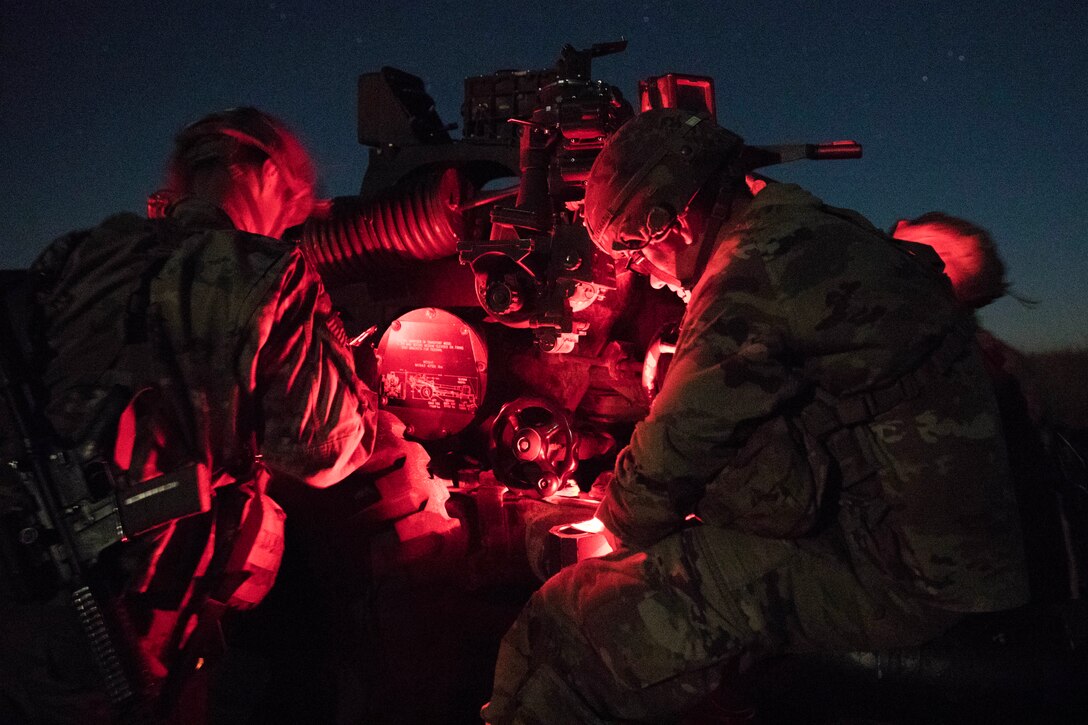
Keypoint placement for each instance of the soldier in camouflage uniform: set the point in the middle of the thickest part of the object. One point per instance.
(977, 272)
(228, 340)
(822, 469)
(1033, 440)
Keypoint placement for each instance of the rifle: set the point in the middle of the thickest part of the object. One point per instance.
(68, 505)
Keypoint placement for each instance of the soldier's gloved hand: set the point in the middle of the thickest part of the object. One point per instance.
(399, 471)
(391, 450)
(598, 491)
(600, 485)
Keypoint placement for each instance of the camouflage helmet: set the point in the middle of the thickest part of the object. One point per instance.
(648, 173)
(240, 133)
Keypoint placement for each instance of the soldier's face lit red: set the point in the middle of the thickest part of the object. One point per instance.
(265, 200)
(670, 260)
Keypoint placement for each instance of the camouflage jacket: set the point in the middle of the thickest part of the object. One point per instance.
(825, 378)
(240, 328)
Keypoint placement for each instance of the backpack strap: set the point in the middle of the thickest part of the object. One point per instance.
(832, 418)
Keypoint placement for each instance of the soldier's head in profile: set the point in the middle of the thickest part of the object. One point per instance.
(248, 163)
(651, 189)
(968, 251)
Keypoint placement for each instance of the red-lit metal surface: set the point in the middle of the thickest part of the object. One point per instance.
(568, 544)
(157, 201)
(837, 150)
(433, 368)
(533, 446)
(694, 94)
(418, 221)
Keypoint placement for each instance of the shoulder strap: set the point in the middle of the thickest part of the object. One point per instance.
(830, 412)
(833, 419)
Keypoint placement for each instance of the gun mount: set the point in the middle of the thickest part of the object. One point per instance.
(427, 197)
(488, 226)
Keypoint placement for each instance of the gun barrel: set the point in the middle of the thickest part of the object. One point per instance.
(835, 150)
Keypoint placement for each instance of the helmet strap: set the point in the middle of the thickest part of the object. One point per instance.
(721, 211)
(635, 182)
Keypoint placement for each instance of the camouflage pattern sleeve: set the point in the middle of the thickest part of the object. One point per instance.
(726, 379)
(319, 418)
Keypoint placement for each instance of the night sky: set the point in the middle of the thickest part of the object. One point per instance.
(974, 108)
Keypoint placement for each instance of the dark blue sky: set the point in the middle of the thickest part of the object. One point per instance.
(975, 108)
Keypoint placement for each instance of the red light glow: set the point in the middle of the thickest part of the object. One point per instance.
(962, 254)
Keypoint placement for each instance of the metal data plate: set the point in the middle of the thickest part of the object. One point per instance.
(433, 369)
